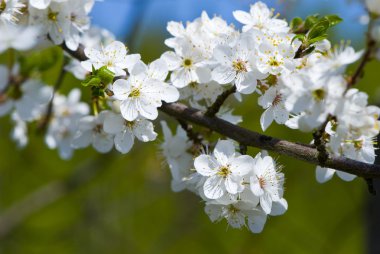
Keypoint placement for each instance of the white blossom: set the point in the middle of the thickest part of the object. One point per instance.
(143, 92)
(126, 131)
(113, 56)
(266, 182)
(224, 170)
(261, 18)
(9, 10)
(63, 125)
(17, 37)
(91, 132)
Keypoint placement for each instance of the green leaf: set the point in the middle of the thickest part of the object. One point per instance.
(92, 81)
(300, 37)
(319, 29)
(311, 20)
(105, 75)
(316, 39)
(296, 23)
(333, 19)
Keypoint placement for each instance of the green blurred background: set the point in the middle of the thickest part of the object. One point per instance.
(123, 203)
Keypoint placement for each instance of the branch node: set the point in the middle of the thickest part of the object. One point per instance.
(214, 108)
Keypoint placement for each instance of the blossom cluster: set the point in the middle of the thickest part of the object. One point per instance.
(298, 80)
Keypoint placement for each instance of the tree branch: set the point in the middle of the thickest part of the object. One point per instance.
(214, 108)
(250, 138)
(254, 139)
(370, 48)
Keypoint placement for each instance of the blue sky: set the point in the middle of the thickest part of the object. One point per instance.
(119, 16)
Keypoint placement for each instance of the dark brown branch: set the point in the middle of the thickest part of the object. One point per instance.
(77, 54)
(214, 108)
(254, 139)
(249, 138)
(370, 48)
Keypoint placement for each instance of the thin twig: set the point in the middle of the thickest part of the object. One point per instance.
(49, 112)
(214, 108)
(367, 56)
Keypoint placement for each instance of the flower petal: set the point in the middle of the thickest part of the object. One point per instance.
(214, 187)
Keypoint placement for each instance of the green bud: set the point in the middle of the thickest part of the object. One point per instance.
(105, 75)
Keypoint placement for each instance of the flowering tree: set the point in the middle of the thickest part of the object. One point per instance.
(300, 78)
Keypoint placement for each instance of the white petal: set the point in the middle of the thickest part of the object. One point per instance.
(158, 69)
(281, 115)
(213, 211)
(256, 222)
(131, 60)
(204, 74)
(103, 142)
(40, 4)
(172, 60)
(202, 165)
(266, 203)
(266, 118)
(121, 89)
(124, 141)
(82, 139)
(147, 109)
(255, 186)
(144, 130)
(243, 17)
(213, 187)
(324, 174)
(223, 54)
(224, 149)
(181, 77)
(129, 110)
(233, 184)
(279, 207)
(113, 123)
(242, 165)
(223, 74)
(345, 176)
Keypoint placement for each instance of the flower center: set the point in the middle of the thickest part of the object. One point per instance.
(52, 15)
(3, 5)
(98, 128)
(135, 93)
(318, 94)
(274, 62)
(261, 182)
(224, 171)
(233, 210)
(277, 99)
(193, 84)
(358, 144)
(187, 63)
(240, 65)
(129, 124)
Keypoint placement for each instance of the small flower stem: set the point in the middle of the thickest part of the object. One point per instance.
(95, 105)
(11, 59)
(214, 108)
